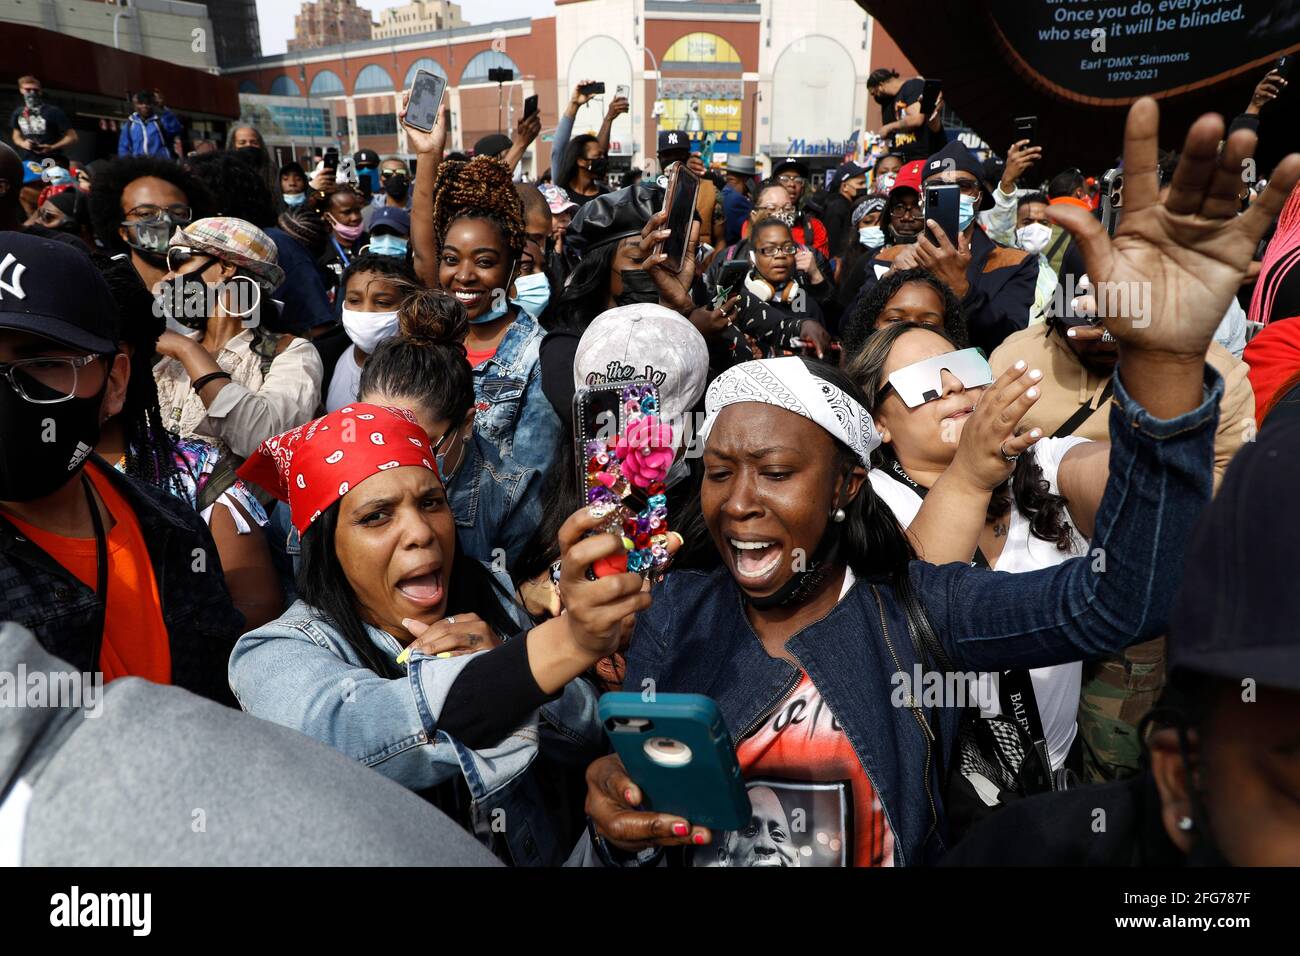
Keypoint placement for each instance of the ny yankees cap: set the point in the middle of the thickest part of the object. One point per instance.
(671, 139)
(50, 289)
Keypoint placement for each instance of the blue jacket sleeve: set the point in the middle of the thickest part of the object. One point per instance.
(1122, 592)
(124, 140)
(563, 130)
(171, 124)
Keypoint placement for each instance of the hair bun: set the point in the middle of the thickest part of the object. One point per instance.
(431, 316)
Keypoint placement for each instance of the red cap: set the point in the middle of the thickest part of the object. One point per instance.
(909, 176)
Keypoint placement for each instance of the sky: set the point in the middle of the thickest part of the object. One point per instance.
(275, 17)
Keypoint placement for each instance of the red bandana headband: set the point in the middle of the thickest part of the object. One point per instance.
(314, 465)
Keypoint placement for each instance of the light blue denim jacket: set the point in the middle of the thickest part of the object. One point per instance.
(497, 503)
(513, 413)
(299, 671)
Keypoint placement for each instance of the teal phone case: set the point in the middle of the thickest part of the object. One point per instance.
(701, 783)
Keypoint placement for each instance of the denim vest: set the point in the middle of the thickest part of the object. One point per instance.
(513, 413)
(497, 503)
(695, 637)
(299, 671)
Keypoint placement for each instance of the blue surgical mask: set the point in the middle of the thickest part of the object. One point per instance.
(494, 313)
(388, 245)
(532, 293)
(294, 199)
(872, 237)
(967, 214)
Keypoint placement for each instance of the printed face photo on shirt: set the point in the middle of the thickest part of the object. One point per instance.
(792, 823)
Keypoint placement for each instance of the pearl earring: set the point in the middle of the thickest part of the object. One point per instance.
(837, 515)
(1186, 824)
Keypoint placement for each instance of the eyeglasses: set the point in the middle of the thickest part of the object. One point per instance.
(45, 381)
(905, 212)
(776, 210)
(387, 173)
(50, 218)
(439, 454)
(969, 187)
(789, 179)
(177, 214)
(180, 256)
(788, 249)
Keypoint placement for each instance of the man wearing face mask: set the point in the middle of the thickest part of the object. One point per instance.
(148, 132)
(846, 185)
(39, 128)
(293, 185)
(390, 232)
(99, 566)
(394, 190)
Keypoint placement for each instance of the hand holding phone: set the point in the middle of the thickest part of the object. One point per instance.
(591, 89)
(930, 96)
(1026, 128)
(943, 205)
(426, 98)
(530, 106)
(679, 200)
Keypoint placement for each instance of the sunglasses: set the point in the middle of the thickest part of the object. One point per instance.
(180, 256)
(922, 381)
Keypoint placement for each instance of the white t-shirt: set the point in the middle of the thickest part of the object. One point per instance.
(346, 381)
(1056, 687)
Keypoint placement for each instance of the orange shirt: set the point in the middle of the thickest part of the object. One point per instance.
(812, 800)
(135, 638)
(477, 358)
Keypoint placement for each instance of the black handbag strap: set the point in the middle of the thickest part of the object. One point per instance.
(1085, 412)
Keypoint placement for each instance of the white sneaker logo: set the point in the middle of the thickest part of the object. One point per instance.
(15, 284)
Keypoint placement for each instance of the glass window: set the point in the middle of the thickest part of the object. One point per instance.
(326, 83)
(284, 86)
(702, 48)
(476, 70)
(424, 63)
(373, 79)
(383, 124)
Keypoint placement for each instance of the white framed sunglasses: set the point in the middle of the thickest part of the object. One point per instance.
(922, 381)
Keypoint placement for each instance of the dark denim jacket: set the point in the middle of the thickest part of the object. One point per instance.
(497, 503)
(202, 623)
(695, 637)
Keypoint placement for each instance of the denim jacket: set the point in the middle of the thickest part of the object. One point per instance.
(695, 637)
(497, 503)
(202, 622)
(299, 671)
(513, 413)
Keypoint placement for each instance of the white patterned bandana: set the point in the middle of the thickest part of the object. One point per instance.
(787, 383)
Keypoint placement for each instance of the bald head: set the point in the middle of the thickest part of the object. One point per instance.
(11, 184)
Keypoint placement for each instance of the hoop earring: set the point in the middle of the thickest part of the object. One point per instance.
(257, 299)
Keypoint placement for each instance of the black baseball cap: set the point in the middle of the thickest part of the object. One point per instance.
(365, 157)
(790, 162)
(491, 144)
(672, 140)
(1237, 611)
(957, 158)
(845, 171)
(50, 289)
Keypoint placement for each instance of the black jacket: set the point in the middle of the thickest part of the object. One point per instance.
(202, 622)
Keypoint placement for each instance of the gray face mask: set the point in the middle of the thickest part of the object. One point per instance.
(151, 235)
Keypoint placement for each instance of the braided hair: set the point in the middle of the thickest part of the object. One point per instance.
(479, 189)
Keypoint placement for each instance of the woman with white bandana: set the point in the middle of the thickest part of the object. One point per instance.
(806, 631)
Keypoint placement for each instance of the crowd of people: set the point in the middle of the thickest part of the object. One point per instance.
(305, 442)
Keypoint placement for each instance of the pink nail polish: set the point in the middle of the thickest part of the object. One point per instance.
(680, 829)
(698, 839)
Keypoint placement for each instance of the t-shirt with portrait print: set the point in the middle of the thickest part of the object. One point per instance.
(812, 803)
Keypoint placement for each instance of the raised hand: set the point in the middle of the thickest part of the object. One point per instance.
(989, 444)
(674, 287)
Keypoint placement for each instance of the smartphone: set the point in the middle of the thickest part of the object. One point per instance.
(634, 501)
(1112, 199)
(930, 96)
(347, 172)
(331, 160)
(1283, 65)
(426, 99)
(530, 106)
(943, 205)
(620, 90)
(1026, 128)
(590, 89)
(679, 200)
(730, 278)
(677, 749)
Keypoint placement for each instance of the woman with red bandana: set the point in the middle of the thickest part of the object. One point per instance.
(406, 655)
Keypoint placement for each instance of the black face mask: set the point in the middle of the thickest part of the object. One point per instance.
(32, 100)
(397, 187)
(177, 304)
(638, 288)
(255, 156)
(598, 168)
(45, 445)
(884, 101)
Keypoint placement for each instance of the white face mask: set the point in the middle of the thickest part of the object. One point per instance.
(872, 237)
(1033, 237)
(368, 329)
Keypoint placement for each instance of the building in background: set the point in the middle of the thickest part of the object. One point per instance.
(421, 16)
(326, 22)
(167, 30)
(238, 38)
(771, 78)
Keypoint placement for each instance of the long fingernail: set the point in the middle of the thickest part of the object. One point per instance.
(1033, 392)
(1036, 374)
(1020, 365)
(405, 656)
(1070, 332)
(680, 829)
(444, 655)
